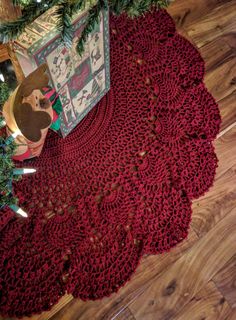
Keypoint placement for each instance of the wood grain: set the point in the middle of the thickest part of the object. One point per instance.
(225, 281)
(221, 80)
(220, 20)
(181, 282)
(225, 148)
(216, 53)
(228, 111)
(216, 204)
(220, 199)
(187, 12)
(208, 304)
(126, 314)
(218, 50)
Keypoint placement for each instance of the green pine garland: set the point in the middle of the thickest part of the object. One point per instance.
(31, 10)
(65, 11)
(93, 19)
(6, 171)
(4, 93)
(21, 3)
(136, 7)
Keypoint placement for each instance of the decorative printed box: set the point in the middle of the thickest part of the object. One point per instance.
(79, 81)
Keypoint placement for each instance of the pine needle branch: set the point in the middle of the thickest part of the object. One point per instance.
(4, 94)
(92, 20)
(21, 3)
(6, 171)
(11, 30)
(135, 7)
(65, 13)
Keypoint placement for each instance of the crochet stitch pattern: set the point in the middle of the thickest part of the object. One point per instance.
(121, 184)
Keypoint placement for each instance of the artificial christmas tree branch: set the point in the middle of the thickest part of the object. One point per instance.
(20, 3)
(93, 18)
(31, 10)
(65, 12)
(12, 29)
(6, 170)
(4, 94)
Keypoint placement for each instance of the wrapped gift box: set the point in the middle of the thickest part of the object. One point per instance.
(79, 81)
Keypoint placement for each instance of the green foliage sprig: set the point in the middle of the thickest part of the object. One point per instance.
(11, 30)
(93, 19)
(4, 93)
(21, 3)
(65, 12)
(135, 7)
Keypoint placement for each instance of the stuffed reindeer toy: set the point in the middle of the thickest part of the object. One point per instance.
(29, 113)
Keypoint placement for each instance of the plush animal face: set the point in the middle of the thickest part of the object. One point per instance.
(33, 115)
(31, 110)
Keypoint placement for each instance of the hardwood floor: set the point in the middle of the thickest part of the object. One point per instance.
(197, 279)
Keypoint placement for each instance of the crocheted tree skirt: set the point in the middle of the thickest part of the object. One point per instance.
(121, 184)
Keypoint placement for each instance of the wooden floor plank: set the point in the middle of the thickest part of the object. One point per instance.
(187, 12)
(221, 81)
(107, 308)
(221, 198)
(220, 20)
(208, 304)
(216, 204)
(216, 53)
(188, 275)
(225, 148)
(228, 111)
(225, 281)
(125, 314)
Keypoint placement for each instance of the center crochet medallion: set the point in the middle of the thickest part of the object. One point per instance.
(121, 184)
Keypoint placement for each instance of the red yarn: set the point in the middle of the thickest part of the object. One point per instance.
(121, 184)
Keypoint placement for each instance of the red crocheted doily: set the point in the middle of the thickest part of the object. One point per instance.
(121, 184)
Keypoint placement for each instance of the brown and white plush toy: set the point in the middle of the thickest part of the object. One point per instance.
(29, 114)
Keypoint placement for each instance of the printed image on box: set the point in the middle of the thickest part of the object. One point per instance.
(80, 81)
(60, 66)
(89, 93)
(48, 20)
